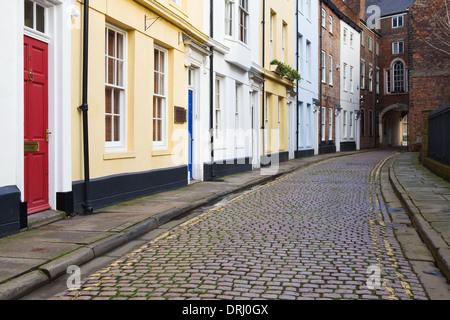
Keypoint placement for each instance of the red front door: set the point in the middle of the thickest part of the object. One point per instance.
(36, 124)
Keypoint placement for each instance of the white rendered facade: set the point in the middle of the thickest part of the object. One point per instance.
(60, 18)
(236, 88)
(307, 44)
(350, 91)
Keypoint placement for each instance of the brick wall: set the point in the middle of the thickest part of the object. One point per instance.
(429, 67)
(368, 102)
(330, 93)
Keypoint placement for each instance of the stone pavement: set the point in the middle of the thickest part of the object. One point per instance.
(35, 257)
(426, 197)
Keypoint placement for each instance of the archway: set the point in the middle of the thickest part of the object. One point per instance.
(393, 126)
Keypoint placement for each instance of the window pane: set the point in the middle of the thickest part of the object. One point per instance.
(108, 128)
(162, 62)
(119, 78)
(111, 43)
(156, 61)
(40, 18)
(29, 14)
(111, 70)
(117, 128)
(108, 100)
(117, 101)
(156, 83)
(119, 51)
(162, 88)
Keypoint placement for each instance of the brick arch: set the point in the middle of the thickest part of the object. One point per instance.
(395, 106)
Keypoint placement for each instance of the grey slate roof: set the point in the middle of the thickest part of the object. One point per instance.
(390, 7)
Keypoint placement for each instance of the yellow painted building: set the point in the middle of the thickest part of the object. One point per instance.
(277, 42)
(137, 78)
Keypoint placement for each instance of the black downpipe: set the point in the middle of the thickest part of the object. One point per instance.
(211, 87)
(408, 68)
(84, 108)
(298, 82)
(263, 105)
(320, 80)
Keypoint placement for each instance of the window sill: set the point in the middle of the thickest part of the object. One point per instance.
(119, 155)
(161, 153)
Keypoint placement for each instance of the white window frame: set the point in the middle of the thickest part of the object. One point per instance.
(34, 29)
(370, 44)
(344, 124)
(330, 124)
(395, 22)
(344, 82)
(324, 16)
(345, 36)
(363, 75)
(308, 60)
(120, 144)
(396, 47)
(330, 22)
(377, 80)
(323, 66)
(330, 70)
(243, 21)
(279, 122)
(323, 116)
(164, 96)
(351, 125)
(229, 18)
(237, 110)
(351, 39)
(351, 79)
(370, 77)
(363, 42)
(218, 110)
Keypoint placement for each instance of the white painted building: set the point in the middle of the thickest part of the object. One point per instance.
(303, 121)
(236, 89)
(350, 90)
(36, 70)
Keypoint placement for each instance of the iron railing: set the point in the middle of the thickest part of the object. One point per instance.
(439, 135)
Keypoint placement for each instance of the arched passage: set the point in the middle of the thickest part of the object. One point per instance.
(393, 125)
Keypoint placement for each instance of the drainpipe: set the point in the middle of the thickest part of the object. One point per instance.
(211, 87)
(298, 82)
(319, 134)
(408, 68)
(84, 108)
(263, 105)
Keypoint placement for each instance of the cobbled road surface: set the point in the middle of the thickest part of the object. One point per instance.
(319, 233)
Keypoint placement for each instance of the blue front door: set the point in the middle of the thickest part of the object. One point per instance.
(190, 128)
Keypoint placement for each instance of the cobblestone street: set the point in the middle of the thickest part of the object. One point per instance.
(312, 234)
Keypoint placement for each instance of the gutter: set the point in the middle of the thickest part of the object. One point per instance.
(84, 108)
(211, 88)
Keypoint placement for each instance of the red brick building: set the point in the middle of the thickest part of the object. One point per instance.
(329, 75)
(392, 103)
(414, 67)
(370, 73)
(429, 63)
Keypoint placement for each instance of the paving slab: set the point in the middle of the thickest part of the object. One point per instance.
(11, 267)
(427, 203)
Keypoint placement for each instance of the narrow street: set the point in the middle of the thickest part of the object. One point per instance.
(318, 233)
